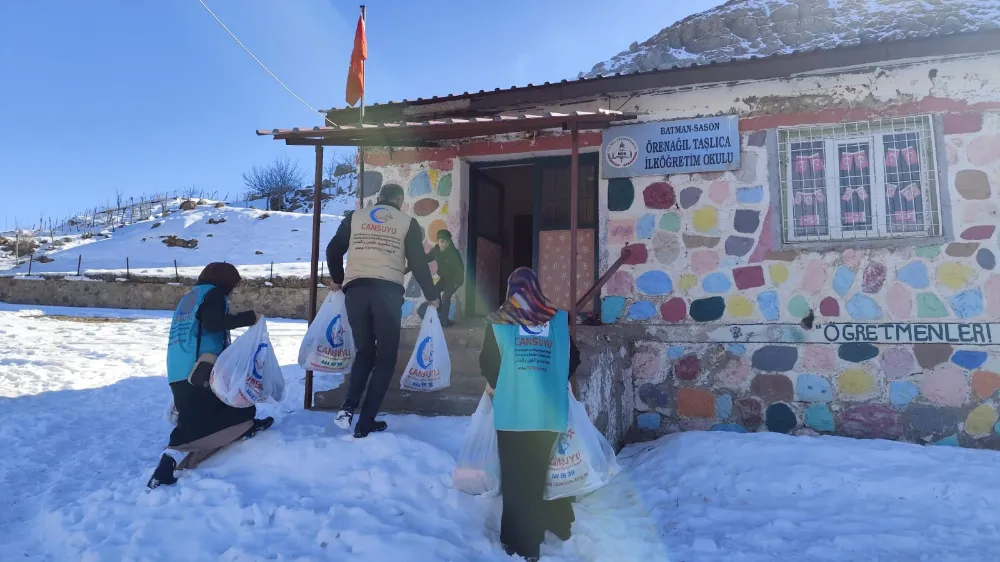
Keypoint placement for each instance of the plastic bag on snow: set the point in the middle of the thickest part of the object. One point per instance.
(328, 346)
(429, 367)
(477, 470)
(582, 459)
(247, 372)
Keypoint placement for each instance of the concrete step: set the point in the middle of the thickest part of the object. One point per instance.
(459, 399)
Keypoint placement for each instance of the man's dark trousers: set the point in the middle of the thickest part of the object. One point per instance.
(374, 311)
(447, 289)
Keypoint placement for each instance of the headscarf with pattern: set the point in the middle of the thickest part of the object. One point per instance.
(525, 304)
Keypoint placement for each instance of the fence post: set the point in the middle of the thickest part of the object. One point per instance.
(272, 271)
(177, 275)
(128, 272)
(79, 265)
(31, 258)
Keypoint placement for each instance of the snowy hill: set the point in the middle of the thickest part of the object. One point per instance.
(248, 237)
(740, 29)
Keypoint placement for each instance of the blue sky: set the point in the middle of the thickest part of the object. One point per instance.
(145, 97)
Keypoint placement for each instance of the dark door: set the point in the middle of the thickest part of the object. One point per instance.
(486, 225)
(524, 241)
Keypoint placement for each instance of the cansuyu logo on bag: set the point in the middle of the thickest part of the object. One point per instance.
(424, 372)
(334, 349)
(255, 383)
(425, 353)
(563, 459)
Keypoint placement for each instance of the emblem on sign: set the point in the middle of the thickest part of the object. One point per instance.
(622, 152)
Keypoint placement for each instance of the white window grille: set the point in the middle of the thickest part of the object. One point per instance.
(859, 181)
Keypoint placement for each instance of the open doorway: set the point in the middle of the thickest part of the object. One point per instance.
(520, 217)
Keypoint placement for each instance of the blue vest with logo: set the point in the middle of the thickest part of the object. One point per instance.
(183, 349)
(531, 392)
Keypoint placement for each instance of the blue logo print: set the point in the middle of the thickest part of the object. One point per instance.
(528, 330)
(381, 216)
(425, 353)
(258, 361)
(562, 444)
(335, 333)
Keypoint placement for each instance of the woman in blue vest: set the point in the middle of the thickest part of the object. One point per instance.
(198, 334)
(528, 357)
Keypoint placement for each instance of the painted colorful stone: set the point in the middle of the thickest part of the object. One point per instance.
(716, 283)
(621, 194)
(620, 284)
(973, 185)
(638, 254)
(707, 309)
(674, 310)
(644, 226)
(444, 185)
(739, 306)
(872, 422)
(746, 221)
(692, 241)
(734, 375)
(749, 277)
(981, 420)
(648, 421)
(666, 247)
(981, 232)
(425, 206)
(986, 259)
(829, 307)
(985, 384)
(901, 393)
(434, 227)
(813, 388)
(695, 403)
(798, 307)
(641, 310)
(950, 441)
(723, 406)
(611, 309)
(968, 304)
(704, 261)
(670, 222)
(420, 184)
(775, 358)
(689, 197)
(819, 358)
(897, 363)
(621, 231)
(900, 301)
(855, 382)
(863, 308)
(914, 274)
(407, 308)
(687, 368)
(738, 245)
(925, 420)
(780, 418)
(873, 278)
(969, 359)
(652, 396)
(930, 306)
(842, 280)
(705, 219)
(750, 412)
(647, 364)
(687, 281)
(728, 427)
(767, 301)
(659, 195)
(820, 418)
(961, 249)
(984, 150)
(778, 273)
(814, 277)
(654, 282)
(930, 355)
(929, 252)
(750, 195)
(946, 385)
(719, 192)
(954, 275)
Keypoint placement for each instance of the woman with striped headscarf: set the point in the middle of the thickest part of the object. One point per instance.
(528, 357)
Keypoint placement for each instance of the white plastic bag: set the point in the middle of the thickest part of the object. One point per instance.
(247, 372)
(170, 414)
(429, 367)
(582, 459)
(477, 470)
(328, 346)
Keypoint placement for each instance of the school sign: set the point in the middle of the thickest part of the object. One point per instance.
(710, 144)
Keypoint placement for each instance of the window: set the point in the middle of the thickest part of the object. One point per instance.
(858, 181)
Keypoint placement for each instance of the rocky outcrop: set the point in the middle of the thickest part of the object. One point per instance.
(740, 29)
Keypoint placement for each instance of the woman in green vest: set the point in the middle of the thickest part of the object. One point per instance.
(528, 358)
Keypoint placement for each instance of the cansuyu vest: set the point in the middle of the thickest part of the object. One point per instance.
(185, 329)
(376, 250)
(531, 392)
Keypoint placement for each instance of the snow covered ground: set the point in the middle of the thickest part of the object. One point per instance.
(81, 400)
(247, 237)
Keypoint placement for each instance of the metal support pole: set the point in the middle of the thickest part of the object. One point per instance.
(79, 265)
(177, 274)
(128, 271)
(314, 261)
(31, 258)
(361, 122)
(574, 212)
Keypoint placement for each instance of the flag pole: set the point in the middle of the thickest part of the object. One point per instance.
(361, 122)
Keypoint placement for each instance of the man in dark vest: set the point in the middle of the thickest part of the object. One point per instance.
(379, 242)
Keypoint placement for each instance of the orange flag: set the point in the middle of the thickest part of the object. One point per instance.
(356, 74)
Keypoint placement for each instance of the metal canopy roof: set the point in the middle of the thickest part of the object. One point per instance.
(429, 133)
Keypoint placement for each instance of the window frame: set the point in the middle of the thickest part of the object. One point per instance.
(873, 133)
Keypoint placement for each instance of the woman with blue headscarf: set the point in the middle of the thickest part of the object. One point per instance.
(528, 357)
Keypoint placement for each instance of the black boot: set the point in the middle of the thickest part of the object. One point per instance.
(363, 429)
(164, 473)
(257, 427)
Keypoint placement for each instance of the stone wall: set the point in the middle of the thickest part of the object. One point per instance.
(274, 302)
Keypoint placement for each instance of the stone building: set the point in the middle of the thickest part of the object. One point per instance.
(812, 236)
